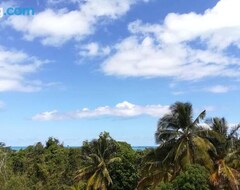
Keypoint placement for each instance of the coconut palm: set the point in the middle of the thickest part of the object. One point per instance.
(218, 125)
(227, 160)
(181, 143)
(97, 155)
(184, 135)
(153, 170)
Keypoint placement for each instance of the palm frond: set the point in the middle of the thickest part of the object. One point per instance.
(115, 159)
(201, 116)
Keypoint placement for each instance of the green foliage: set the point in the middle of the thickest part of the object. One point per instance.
(49, 167)
(78, 186)
(16, 182)
(165, 186)
(153, 169)
(97, 156)
(195, 177)
(3, 164)
(183, 135)
(181, 143)
(226, 172)
(125, 173)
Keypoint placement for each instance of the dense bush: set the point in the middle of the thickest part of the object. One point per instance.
(194, 178)
(125, 173)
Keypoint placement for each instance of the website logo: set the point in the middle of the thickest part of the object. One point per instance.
(16, 11)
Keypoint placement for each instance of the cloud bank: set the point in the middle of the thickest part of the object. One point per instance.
(123, 109)
(15, 69)
(184, 47)
(55, 27)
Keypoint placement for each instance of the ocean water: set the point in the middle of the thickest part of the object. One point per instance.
(142, 147)
(18, 147)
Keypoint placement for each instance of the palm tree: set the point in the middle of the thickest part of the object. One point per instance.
(153, 170)
(218, 125)
(97, 156)
(227, 159)
(184, 135)
(181, 143)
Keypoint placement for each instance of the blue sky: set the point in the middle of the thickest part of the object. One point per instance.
(78, 68)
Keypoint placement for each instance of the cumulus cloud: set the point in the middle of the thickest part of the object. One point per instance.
(54, 27)
(123, 109)
(93, 49)
(218, 89)
(219, 26)
(143, 57)
(185, 46)
(15, 68)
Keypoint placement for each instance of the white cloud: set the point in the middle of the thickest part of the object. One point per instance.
(54, 27)
(93, 49)
(15, 67)
(170, 50)
(148, 58)
(47, 116)
(219, 26)
(123, 109)
(218, 89)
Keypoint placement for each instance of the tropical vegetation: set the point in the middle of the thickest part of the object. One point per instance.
(193, 153)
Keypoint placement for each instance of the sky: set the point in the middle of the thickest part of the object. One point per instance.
(77, 68)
